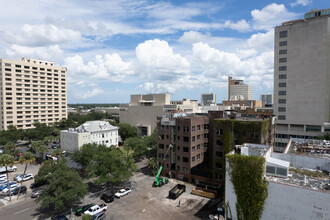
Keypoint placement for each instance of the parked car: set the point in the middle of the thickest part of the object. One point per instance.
(25, 178)
(99, 216)
(36, 194)
(3, 177)
(54, 146)
(107, 197)
(122, 192)
(12, 187)
(36, 185)
(83, 209)
(96, 209)
(17, 176)
(59, 217)
(5, 186)
(9, 169)
(16, 190)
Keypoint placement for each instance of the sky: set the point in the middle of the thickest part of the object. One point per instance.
(113, 49)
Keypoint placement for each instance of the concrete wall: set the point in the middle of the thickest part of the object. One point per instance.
(72, 141)
(309, 162)
(288, 202)
(142, 115)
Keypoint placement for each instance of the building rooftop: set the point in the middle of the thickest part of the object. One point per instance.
(308, 147)
(93, 126)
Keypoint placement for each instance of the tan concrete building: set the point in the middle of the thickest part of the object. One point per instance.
(31, 91)
(302, 78)
(238, 90)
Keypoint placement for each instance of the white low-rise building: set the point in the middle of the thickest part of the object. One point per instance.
(99, 132)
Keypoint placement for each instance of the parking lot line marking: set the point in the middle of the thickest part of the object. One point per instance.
(21, 211)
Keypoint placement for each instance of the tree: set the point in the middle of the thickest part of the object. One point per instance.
(86, 217)
(127, 131)
(153, 165)
(137, 145)
(7, 160)
(57, 153)
(84, 155)
(110, 166)
(48, 139)
(65, 187)
(10, 148)
(39, 147)
(26, 158)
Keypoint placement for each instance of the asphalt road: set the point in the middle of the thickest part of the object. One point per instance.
(22, 210)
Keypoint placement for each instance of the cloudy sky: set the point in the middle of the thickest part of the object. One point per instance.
(114, 48)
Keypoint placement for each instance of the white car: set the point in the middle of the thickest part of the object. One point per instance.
(9, 169)
(96, 209)
(13, 186)
(25, 178)
(122, 192)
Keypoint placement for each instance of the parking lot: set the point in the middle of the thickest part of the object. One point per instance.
(144, 202)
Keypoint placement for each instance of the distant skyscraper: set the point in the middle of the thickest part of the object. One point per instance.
(208, 99)
(31, 91)
(302, 77)
(237, 89)
(266, 100)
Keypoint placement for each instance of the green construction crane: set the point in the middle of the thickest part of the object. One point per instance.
(160, 181)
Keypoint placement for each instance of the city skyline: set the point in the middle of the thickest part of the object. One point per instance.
(114, 49)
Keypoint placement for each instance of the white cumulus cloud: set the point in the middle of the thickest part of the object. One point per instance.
(156, 60)
(271, 15)
(90, 93)
(301, 2)
(47, 53)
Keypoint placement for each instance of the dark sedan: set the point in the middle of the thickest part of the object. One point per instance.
(83, 209)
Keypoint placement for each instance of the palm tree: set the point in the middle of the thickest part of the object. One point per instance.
(26, 158)
(7, 160)
(153, 165)
(57, 153)
(10, 148)
(39, 147)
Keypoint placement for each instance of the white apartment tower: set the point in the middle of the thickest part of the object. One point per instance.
(302, 77)
(31, 91)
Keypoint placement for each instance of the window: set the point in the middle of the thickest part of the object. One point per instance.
(198, 157)
(218, 176)
(193, 159)
(193, 149)
(281, 109)
(281, 117)
(206, 135)
(218, 165)
(218, 154)
(206, 126)
(185, 159)
(283, 34)
(282, 68)
(198, 127)
(282, 101)
(283, 51)
(185, 129)
(178, 168)
(281, 92)
(178, 148)
(219, 143)
(219, 131)
(282, 76)
(185, 139)
(193, 138)
(198, 137)
(282, 60)
(313, 128)
(283, 43)
(161, 146)
(282, 85)
(198, 146)
(185, 149)
(178, 158)
(193, 128)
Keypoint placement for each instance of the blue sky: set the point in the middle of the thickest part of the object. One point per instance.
(113, 49)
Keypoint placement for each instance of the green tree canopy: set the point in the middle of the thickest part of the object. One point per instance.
(39, 147)
(85, 154)
(65, 186)
(127, 131)
(10, 148)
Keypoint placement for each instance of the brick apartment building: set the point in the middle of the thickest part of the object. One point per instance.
(200, 143)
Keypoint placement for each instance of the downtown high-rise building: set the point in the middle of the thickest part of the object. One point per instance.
(238, 90)
(31, 91)
(302, 77)
(208, 99)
